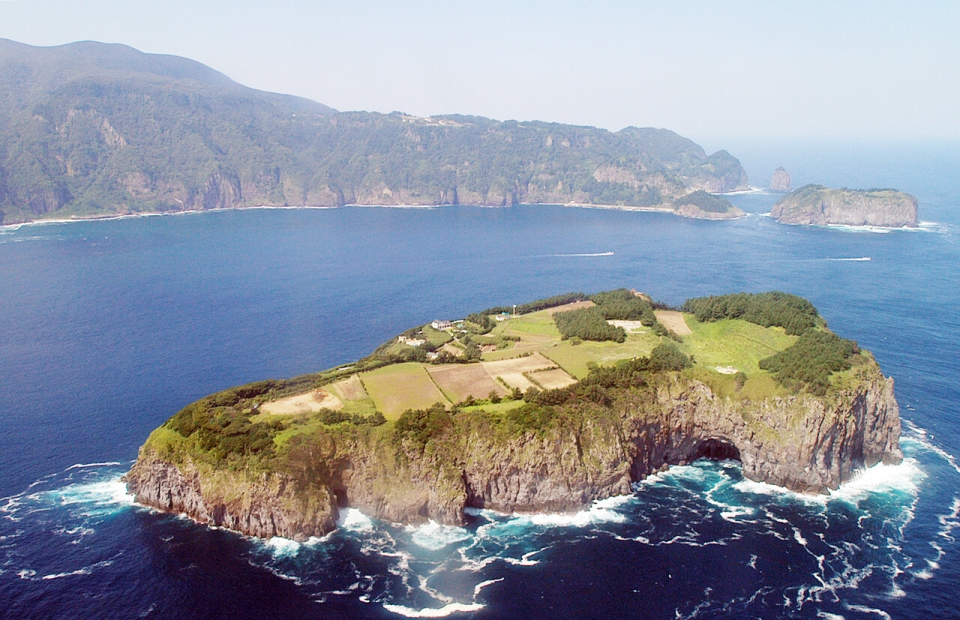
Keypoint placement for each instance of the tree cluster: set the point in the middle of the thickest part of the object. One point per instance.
(587, 324)
(793, 313)
(809, 362)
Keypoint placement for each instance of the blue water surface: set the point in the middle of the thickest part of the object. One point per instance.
(110, 327)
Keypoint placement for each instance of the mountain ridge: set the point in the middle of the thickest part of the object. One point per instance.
(91, 129)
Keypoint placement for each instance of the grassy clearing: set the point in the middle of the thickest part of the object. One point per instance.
(537, 323)
(394, 389)
(437, 337)
(733, 343)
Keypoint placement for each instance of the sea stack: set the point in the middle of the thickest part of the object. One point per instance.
(780, 181)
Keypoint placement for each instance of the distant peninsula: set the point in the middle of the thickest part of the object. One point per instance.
(94, 130)
(545, 406)
(822, 206)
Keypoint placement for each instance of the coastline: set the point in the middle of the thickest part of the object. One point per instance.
(108, 217)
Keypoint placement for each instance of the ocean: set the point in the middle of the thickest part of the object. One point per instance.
(110, 327)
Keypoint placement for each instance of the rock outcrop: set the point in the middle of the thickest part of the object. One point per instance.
(780, 182)
(819, 205)
(803, 442)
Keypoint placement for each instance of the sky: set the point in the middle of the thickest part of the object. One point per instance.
(708, 70)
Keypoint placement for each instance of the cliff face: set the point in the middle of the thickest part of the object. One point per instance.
(815, 204)
(802, 442)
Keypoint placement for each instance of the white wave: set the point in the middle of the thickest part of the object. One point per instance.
(282, 547)
(89, 465)
(433, 612)
(950, 521)
(583, 255)
(103, 494)
(355, 521)
(860, 259)
(869, 610)
(601, 511)
(861, 229)
(435, 536)
(828, 616)
(921, 440)
(880, 478)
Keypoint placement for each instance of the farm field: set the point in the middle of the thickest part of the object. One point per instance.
(552, 379)
(458, 381)
(674, 321)
(348, 389)
(399, 387)
(511, 370)
(302, 403)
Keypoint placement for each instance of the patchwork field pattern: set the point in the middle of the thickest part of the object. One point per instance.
(511, 370)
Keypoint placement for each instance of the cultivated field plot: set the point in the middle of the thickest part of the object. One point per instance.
(394, 389)
(738, 344)
(461, 380)
(348, 389)
(512, 370)
(673, 321)
(552, 379)
(302, 403)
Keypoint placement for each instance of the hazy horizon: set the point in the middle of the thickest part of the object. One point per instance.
(803, 70)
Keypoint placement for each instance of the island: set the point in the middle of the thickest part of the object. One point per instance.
(823, 206)
(545, 406)
(90, 130)
(780, 181)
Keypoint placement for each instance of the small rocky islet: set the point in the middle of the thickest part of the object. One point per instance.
(824, 206)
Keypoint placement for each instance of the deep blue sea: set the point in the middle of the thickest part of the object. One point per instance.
(109, 327)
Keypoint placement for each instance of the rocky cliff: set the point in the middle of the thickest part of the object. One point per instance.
(780, 182)
(819, 205)
(585, 451)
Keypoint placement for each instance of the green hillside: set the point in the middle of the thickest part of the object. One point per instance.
(92, 129)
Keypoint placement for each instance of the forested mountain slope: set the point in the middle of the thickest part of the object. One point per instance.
(90, 129)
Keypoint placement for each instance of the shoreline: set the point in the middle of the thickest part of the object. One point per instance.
(123, 216)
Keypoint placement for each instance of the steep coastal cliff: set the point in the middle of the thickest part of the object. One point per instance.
(819, 205)
(440, 464)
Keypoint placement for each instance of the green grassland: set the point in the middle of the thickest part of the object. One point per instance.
(732, 342)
